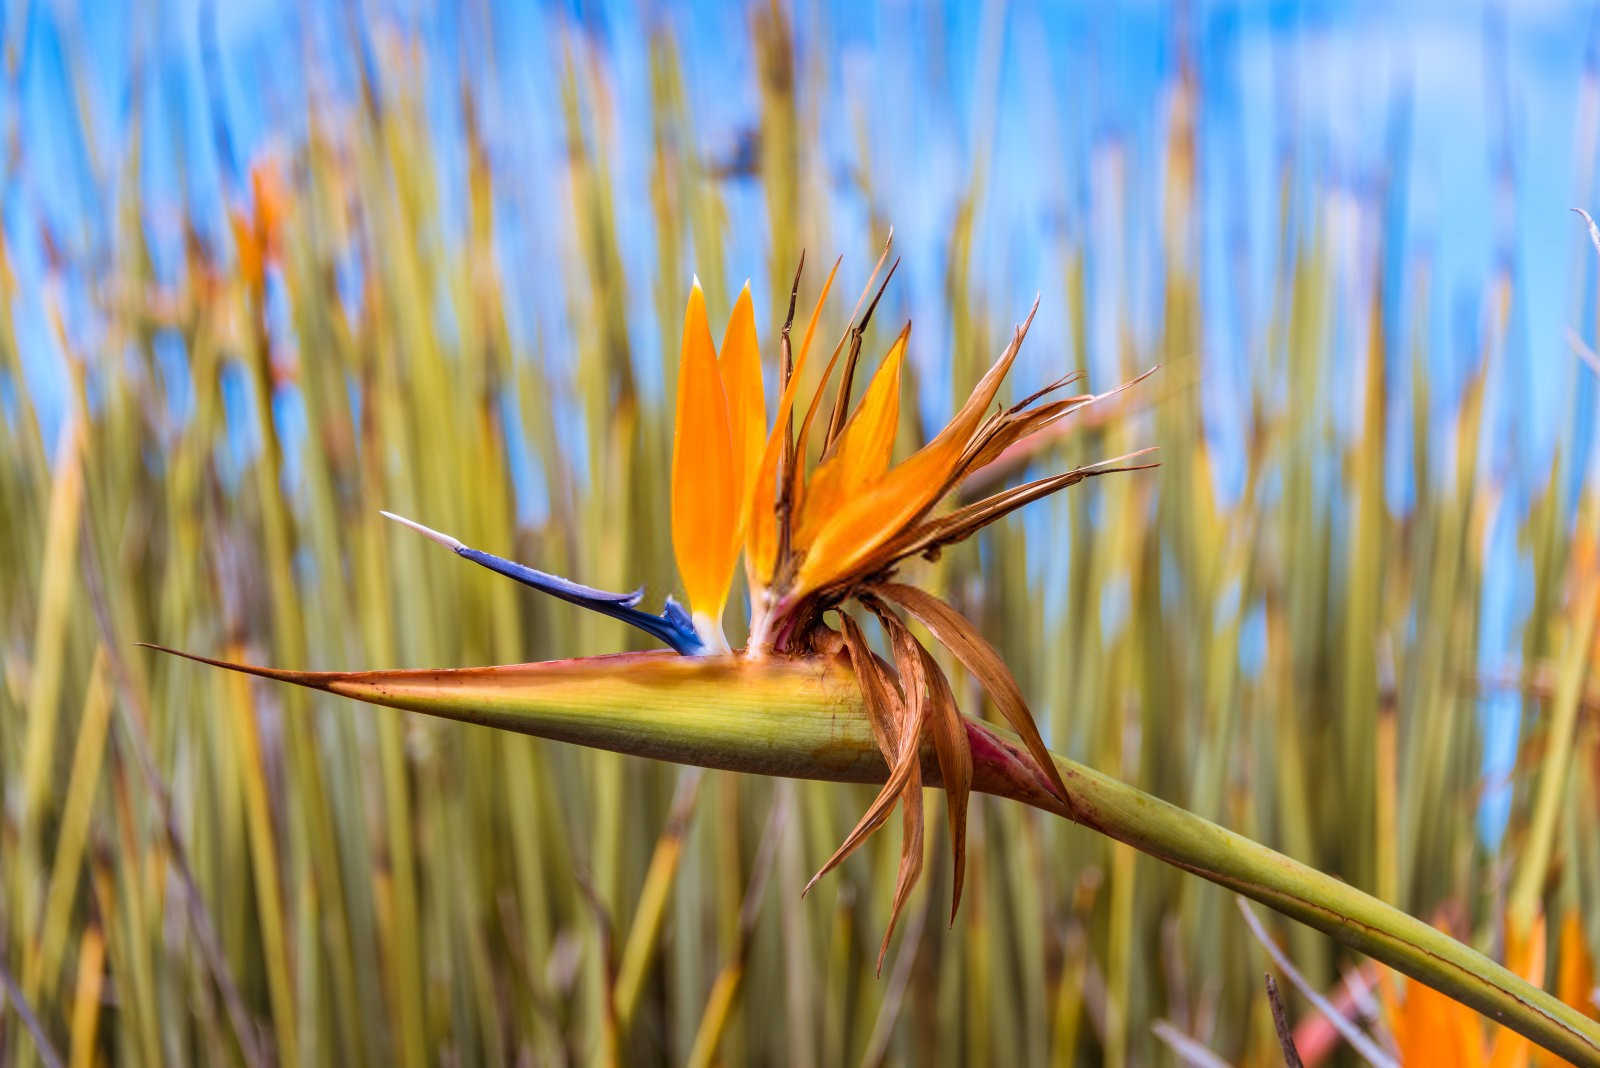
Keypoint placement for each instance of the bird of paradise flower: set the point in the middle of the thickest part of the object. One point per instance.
(823, 538)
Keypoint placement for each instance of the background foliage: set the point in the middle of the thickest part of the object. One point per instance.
(265, 276)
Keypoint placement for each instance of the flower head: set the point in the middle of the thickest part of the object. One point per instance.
(822, 537)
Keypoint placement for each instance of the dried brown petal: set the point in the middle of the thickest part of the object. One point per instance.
(914, 706)
(910, 850)
(980, 658)
(871, 674)
(917, 668)
(962, 523)
(954, 749)
(906, 763)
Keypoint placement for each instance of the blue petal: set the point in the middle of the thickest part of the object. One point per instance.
(554, 585)
(673, 626)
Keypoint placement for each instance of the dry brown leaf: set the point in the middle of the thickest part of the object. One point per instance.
(980, 658)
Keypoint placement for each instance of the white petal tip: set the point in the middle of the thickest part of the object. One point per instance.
(711, 635)
(428, 532)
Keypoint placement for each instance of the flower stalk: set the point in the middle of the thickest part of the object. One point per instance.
(807, 718)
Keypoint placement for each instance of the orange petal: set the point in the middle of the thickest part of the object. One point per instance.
(1575, 977)
(1525, 942)
(705, 496)
(740, 363)
(849, 537)
(246, 246)
(1433, 1029)
(761, 547)
(1510, 1050)
(271, 203)
(827, 372)
(1525, 955)
(862, 453)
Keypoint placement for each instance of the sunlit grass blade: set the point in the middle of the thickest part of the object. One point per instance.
(730, 980)
(43, 969)
(645, 929)
(86, 1001)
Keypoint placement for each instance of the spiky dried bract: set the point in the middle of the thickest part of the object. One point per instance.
(980, 658)
(861, 454)
(919, 671)
(848, 541)
(761, 538)
(885, 709)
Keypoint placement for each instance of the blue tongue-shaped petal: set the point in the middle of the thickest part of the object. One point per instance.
(673, 626)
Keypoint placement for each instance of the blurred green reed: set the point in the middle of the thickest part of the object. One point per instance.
(202, 868)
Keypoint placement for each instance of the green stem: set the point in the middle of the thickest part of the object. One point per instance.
(805, 719)
(1523, 900)
(1357, 919)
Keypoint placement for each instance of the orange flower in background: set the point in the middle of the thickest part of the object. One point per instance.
(1575, 975)
(258, 224)
(1430, 1028)
(1583, 568)
(1433, 1028)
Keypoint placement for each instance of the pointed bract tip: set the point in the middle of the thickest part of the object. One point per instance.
(696, 283)
(428, 532)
